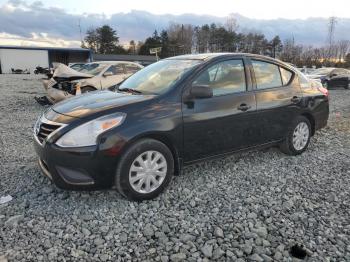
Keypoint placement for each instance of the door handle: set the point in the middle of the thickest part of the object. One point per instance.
(295, 99)
(243, 107)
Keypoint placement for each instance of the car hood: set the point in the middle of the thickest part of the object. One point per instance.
(94, 102)
(63, 72)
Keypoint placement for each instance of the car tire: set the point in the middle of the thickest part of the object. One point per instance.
(298, 137)
(131, 180)
(87, 89)
(348, 85)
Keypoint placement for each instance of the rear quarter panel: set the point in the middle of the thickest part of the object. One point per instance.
(317, 104)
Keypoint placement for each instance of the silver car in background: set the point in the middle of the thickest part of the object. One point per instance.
(67, 82)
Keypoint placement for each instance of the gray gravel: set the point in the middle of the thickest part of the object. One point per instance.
(248, 207)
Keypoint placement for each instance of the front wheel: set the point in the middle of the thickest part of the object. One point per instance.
(298, 137)
(144, 170)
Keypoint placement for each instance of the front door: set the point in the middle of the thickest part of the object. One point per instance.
(222, 123)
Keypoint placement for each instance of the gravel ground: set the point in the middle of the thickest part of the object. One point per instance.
(248, 207)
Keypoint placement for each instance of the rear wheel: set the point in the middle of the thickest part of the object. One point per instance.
(144, 170)
(298, 137)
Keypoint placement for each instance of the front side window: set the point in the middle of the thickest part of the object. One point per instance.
(116, 69)
(224, 78)
(267, 75)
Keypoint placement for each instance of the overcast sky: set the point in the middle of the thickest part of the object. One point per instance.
(55, 22)
(262, 9)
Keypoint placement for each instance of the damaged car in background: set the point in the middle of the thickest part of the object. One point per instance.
(67, 82)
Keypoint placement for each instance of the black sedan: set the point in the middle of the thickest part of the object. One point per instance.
(173, 113)
(332, 77)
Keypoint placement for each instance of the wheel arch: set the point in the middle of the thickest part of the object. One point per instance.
(311, 119)
(166, 141)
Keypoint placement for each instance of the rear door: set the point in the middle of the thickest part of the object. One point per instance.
(278, 97)
(223, 122)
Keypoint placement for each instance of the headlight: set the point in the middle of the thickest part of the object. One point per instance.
(37, 125)
(87, 133)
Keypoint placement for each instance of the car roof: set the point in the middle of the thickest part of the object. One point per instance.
(209, 56)
(113, 62)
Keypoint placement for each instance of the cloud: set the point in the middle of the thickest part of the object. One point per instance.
(41, 39)
(36, 23)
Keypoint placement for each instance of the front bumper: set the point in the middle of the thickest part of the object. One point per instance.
(86, 168)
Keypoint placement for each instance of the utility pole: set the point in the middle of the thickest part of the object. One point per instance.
(81, 37)
(330, 38)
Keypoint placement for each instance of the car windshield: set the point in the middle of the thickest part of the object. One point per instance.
(92, 69)
(158, 77)
(322, 71)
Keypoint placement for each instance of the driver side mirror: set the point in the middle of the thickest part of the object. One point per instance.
(108, 73)
(201, 91)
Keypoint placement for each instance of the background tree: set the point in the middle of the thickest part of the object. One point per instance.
(180, 38)
(347, 60)
(132, 47)
(231, 24)
(150, 42)
(276, 46)
(92, 40)
(108, 39)
(104, 40)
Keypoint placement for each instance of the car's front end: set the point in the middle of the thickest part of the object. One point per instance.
(72, 160)
(78, 141)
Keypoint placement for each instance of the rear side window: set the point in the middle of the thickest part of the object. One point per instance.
(224, 77)
(286, 75)
(267, 75)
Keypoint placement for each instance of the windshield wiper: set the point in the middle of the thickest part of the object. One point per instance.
(130, 90)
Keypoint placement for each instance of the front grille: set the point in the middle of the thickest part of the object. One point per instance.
(65, 86)
(45, 130)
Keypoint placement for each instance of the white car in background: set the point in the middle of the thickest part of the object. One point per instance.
(67, 82)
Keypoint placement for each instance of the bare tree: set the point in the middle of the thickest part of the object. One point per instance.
(181, 38)
(343, 47)
(231, 23)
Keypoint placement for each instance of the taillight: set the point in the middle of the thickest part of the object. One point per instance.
(323, 91)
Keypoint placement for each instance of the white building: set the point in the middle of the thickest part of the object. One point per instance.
(28, 58)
